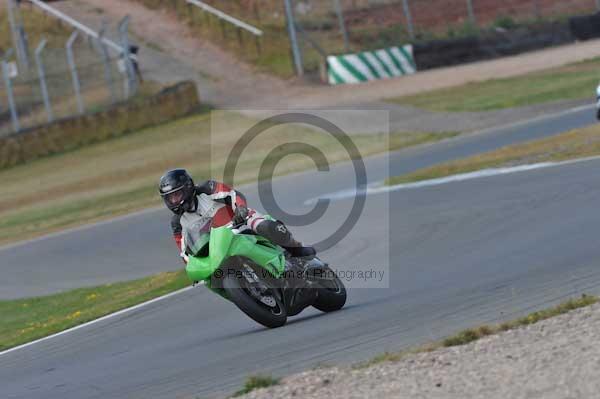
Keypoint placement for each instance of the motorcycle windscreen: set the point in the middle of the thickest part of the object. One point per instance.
(196, 233)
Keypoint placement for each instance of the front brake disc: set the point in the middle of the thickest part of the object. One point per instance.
(269, 301)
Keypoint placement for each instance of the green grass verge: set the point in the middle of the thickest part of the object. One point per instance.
(578, 143)
(25, 320)
(571, 82)
(473, 334)
(256, 382)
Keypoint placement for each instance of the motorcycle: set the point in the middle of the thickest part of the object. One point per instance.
(260, 278)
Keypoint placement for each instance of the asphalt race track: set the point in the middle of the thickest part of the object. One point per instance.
(457, 254)
(140, 244)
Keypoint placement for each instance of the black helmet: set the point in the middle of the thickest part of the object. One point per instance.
(177, 190)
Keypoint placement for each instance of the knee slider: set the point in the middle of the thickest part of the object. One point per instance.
(274, 231)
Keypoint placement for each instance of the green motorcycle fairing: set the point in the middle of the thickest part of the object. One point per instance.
(223, 244)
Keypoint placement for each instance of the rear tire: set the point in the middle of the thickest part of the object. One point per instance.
(332, 295)
(236, 287)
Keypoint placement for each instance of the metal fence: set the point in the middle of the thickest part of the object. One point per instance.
(438, 16)
(79, 76)
(326, 27)
(338, 26)
(236, 25)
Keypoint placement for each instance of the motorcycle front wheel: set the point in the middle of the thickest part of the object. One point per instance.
(252, 295)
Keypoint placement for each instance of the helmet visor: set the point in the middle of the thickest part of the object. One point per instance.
(174, 198)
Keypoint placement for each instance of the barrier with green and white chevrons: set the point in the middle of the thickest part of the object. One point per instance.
(371, 65)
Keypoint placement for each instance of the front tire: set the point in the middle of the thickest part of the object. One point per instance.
(332, 294)
(240, 293)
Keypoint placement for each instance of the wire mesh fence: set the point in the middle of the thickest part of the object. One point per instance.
(326, 27)
(63, 77)
(428, 17)
(338, 26)
(260, 49)
(41, 98)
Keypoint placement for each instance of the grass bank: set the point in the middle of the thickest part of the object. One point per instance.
(473, 334)
(37, 25)
(256, 382)
(119, 176)
(25, 320)
(570, 82)
(579, 143)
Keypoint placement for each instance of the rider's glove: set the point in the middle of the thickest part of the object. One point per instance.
(241, 215)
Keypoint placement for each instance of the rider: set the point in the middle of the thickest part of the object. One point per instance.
(223, 205)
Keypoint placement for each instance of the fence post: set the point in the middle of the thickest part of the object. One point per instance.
(107, 67)
(131, 81)
(18, 34)
(471, 12)
(240, 38)
(74, 74)
(291, 23)
(192, 14)
(409, 21)
(340, 15)
(42, 76)
(9, 91)
(598, 5)
(7, 54)
(258, 46)
(256, 11)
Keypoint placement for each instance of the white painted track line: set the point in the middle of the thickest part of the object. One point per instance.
(89, 323)
(380, 188)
